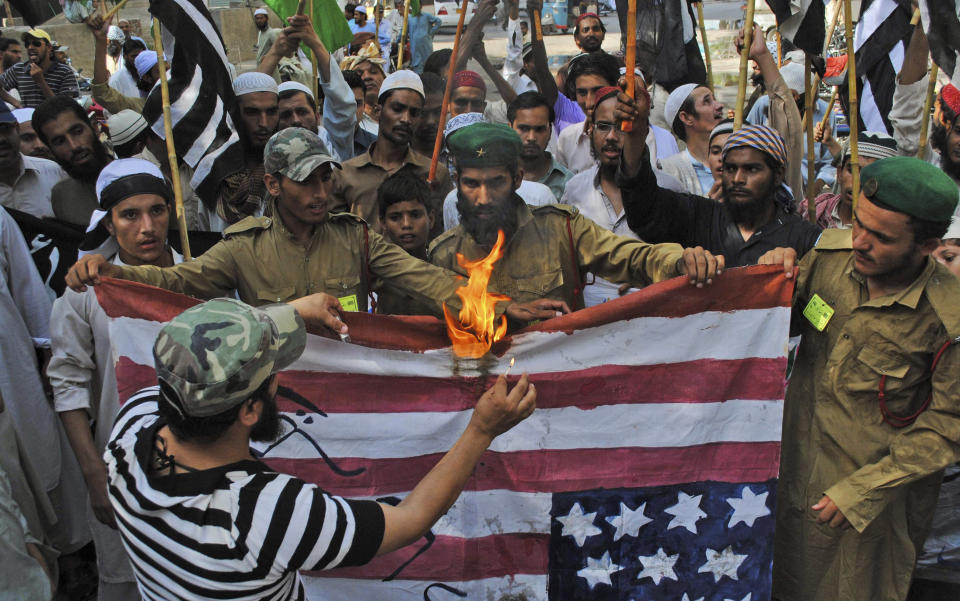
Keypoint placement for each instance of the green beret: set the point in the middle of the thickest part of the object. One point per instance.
(484, 145)
(911, 186)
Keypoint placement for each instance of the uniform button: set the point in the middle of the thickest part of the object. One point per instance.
(267, 222)
(846, 336)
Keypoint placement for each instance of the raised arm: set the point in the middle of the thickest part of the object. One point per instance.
(541, 73)
(474, 32)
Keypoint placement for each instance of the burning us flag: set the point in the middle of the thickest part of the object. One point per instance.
(648, 470)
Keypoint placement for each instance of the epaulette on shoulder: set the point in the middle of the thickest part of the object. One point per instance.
(834, 239)
(346, 217)
(943, 290)
(556, 209)
(247, 224)
(442, 239)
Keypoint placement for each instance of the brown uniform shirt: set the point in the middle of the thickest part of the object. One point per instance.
(552, 250)
(259, 259)
(355, 186)
(884, 479)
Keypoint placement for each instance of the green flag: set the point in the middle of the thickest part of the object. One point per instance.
(328, 20)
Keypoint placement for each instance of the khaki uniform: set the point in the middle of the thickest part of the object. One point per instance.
(259, 259)
(539, 262)
(355, 186)
(391, 300)
(884, 479)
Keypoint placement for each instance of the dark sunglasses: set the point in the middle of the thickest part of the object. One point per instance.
(35, 43)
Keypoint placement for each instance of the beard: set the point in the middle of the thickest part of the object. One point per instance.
(938, 141)
(269, 427)
(746, 211)
(608, 170)
(88, 172)
(501, 216)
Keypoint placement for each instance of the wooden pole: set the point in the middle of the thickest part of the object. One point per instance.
(538, 26)
(810, 96)
(313, 60)
(403, 33)
(744, 60)
(854, 114)
(779, 49)
(171, 149)
(631, 58)
(376, 21)
(706, 45)
(830, 105)
(444, 106)
(109, 14)
(925, 124)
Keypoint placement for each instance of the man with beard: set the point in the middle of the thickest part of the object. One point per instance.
(547, 250)
(40, 77)
(872, 414)
(355, 187)
(126, 79)
(64, 128)
(266, 35)
(11, 53)
(425, 135)
(136, 204)
(588, 34)
(25, 181)
(186, 444)
(750, 221)
(531, 116)
(30, 144)
(595, 191)
(906, 116)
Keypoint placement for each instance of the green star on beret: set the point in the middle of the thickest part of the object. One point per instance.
(911, 186)
(484, 145)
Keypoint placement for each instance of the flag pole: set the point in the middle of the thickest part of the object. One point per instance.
(833, 26)
(171, 149)
(631, 58)
(809, 96)
(444, 106)
(744, 59)
(313, 60)
(925, 124)
(853, 116)
(830, 105)
(779, 49)
(706, 45)
(403, 33)
(116, 8)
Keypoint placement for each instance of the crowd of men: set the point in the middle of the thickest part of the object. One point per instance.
(332, 210)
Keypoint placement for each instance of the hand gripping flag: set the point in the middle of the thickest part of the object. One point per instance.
(328, 20)
(648, 470)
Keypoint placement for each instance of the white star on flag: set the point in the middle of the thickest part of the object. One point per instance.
(686, 512)
(598, 571)
(747, 598)
(748, 508)
(629, 521)
(578, 524)
(658, 566)
(722, 563)
(687, 598)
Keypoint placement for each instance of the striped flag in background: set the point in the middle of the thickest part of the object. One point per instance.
(880, 41)
(648, 470)
(941, 23)
(201, 94)
(802, 23)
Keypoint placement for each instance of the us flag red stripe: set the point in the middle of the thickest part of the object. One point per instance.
(653, 396)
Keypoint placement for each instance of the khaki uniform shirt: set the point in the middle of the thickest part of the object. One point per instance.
(884, 479)
(355, 186)
(260, 259)
(538, 261)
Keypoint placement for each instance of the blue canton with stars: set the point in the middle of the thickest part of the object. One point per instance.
(709, 541)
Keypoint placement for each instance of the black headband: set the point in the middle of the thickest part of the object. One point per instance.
(131, 185)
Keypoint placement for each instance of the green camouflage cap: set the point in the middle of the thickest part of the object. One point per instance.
(214, 356)
(295, 152)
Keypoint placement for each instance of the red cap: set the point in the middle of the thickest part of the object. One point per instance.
(951, 97)
(468, 79)
(585, 15)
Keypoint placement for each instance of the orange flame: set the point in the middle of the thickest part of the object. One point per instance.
(475, 332)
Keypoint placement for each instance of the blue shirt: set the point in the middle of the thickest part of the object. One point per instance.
(703, 173)
(760, 115)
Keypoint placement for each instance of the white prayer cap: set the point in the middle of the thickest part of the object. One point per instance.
(125, 126)
(636, 71)
(261, 11)
(793, 76)
(115, 34)
(675, 100)
(795, 56)
(23, 115)
(294, 85)
(120, 180)
(400, 80)
(254, 81)
(953, 232)
(145, 61)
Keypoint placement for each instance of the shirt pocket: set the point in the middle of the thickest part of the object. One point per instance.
(542, 285)
(872, 366)
(344, 287)
(276, 295)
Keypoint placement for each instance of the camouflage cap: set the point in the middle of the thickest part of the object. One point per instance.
(295, 153)
(214, 356)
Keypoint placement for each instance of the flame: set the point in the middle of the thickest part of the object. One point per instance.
(475, 331)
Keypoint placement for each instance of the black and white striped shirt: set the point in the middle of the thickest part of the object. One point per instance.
(59, 77)
(239, 531)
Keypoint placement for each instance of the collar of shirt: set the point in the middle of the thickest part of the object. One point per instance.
(615, 217)
(908, 297)
(411, 158)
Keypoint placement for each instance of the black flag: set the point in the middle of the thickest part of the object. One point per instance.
(941, 21)
(801, 23)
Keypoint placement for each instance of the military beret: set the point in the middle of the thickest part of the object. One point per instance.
(484, 145)
(911, 186)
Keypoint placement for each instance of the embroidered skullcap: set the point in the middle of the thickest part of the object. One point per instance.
(125, 126)
(115, 34)
(254, 81)
(793, 74)
(294, 85)
(462, 120)
(873, 144)
(261, 11)
(468, 79)
(675, 101)
(724, 127)
(772, 47)
(760, 137)
(145, 61)
(636, 71)
(404, 79)
(951, 97)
